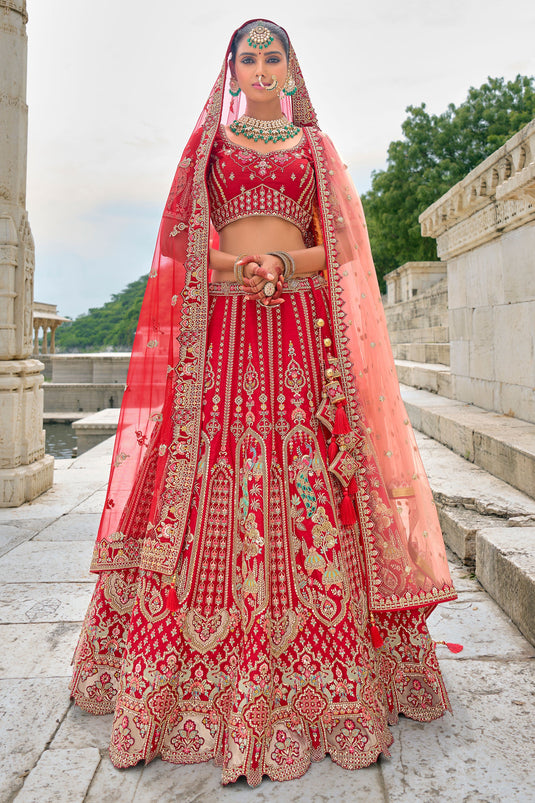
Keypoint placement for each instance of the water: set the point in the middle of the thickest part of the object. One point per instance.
(60, 440)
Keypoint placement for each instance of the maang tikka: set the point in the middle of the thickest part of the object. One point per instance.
(259, 37)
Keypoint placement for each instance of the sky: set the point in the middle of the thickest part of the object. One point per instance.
(115, 88)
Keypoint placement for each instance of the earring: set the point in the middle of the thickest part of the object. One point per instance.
(233, 88)
(289, 87)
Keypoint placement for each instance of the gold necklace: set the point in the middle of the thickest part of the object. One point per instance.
(267, 130)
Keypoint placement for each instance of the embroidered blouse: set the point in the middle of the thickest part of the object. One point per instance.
(243, 182)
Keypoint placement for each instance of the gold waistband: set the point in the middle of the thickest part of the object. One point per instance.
(297, 284)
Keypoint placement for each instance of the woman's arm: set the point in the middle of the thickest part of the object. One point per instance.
(219, 260)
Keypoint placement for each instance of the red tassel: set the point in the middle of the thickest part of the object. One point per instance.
(341, 424)
(333, 450)
(352, 488)
(377, 639)
(171, 603)
(453, 647)
(347, 511)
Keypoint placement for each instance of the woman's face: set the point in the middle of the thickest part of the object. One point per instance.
(254, 69)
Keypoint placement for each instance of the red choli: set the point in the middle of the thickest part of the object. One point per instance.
(243, 182)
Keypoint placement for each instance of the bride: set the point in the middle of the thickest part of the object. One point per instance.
(269, 549)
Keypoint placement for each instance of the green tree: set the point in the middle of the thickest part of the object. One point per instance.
(111, 326)
(435, 153)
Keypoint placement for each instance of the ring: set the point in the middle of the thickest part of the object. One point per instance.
(269, 289)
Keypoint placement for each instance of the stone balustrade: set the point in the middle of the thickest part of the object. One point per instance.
(496, 197)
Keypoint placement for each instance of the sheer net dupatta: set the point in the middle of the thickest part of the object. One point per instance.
(403, 546)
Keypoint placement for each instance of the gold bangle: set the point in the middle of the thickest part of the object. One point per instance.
(238, 269)
(288, 262)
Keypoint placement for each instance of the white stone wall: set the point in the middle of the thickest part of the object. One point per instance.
(485, 230)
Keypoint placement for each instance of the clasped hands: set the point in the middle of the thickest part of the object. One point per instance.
(258, 270)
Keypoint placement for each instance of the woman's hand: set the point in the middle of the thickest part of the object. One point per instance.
(258, 269)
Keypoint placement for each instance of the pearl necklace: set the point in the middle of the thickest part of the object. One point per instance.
(266, 130)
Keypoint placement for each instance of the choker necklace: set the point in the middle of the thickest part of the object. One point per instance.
(266, 130)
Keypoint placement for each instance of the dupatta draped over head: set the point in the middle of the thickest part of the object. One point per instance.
(402, 546)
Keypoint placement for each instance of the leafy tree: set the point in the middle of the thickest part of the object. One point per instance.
(435, 153)
(111, 326)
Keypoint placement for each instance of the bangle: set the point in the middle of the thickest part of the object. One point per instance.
(238, 269)
(287, 261)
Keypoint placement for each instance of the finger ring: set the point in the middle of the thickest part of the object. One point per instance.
(269, 289)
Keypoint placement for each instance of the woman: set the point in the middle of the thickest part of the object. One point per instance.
(269, 548)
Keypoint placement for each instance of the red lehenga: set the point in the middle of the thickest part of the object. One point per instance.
(269, 549)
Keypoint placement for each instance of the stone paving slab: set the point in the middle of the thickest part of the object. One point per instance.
(64, 495)
(60, 775)
(487, 631)
(110, 785)
(71, 527)
(93, 503)
(30, 712)
(80, 729)
(13, 533)
(44, 602)
(484, 753)
(48, 562)
(42, 650)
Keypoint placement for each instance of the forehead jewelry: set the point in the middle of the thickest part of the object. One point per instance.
(260, 37)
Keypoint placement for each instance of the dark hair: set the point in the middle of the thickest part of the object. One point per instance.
(272, 28)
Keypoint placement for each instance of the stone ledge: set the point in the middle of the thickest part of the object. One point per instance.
(505, 566)
(95, 428)
(503, 446)
(433, 377)
(469, 499)
(422, 352)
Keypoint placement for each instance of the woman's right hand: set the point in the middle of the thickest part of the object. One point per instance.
(258, 269)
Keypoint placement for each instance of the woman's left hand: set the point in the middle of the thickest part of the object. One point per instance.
(267, 268)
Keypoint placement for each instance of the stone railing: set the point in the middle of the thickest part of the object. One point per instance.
(497, 196)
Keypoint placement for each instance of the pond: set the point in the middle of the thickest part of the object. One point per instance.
(60, 440)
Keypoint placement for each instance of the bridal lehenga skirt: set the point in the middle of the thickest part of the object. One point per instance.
(267, 663)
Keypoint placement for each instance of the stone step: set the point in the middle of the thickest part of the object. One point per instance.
(505, 566)
(503, 446)
(95, 428)
(422, 352)
(424, 334)
(434, 377)
(489, 525)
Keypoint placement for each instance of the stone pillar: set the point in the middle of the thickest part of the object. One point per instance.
(25, 470)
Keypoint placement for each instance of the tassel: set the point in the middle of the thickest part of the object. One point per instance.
(341, 424)
(452, 647)
(352, 488)
(347, 511)
(333, 450)
(377, 639)
(171, 603)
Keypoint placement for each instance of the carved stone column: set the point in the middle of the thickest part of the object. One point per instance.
(25, 470)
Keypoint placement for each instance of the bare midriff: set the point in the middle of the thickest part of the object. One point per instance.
(258, 235)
